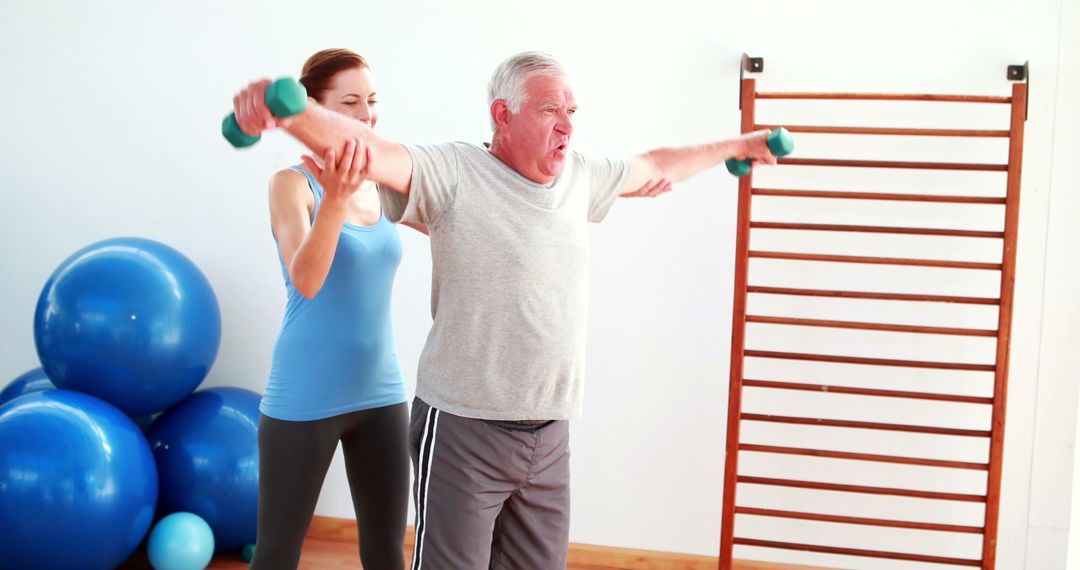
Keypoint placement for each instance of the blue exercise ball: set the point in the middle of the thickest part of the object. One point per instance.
(78, 484)
(27, 383)
(129, 320)
(207, 453)
(180, 541)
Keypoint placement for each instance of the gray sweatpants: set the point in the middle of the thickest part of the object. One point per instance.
(489, 495)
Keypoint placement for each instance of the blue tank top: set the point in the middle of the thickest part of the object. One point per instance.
(335, 353)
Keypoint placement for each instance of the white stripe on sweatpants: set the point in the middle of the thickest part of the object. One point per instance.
(424, 481)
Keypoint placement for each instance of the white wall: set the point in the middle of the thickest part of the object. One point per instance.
(1061, 326)
(112, 129)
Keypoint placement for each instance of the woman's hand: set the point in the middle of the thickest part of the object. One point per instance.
(650, 189)
(341, 176)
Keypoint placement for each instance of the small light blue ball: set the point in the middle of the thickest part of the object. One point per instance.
(181, 541)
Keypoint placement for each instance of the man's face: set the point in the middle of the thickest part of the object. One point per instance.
(538, 136)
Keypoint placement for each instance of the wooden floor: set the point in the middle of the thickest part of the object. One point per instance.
(331, 545)
(321, 554)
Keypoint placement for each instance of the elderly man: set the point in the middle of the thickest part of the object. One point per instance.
(503, 366)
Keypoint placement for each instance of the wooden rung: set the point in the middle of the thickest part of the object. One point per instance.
(862, 489)
(924, 462)
(886, 97)
(966, 166)
(869, 361)
(875, 260)
(869, 326)
(857, 552)
(876, 296)
(751, 511)
(875, 229)
(887, 131)
(864, 425)
(866, 392)
(892, 197)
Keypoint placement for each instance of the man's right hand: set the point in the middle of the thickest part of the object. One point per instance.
(252, 114)
(321, 129)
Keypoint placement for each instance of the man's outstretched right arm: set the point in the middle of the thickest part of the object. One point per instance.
(320, 129)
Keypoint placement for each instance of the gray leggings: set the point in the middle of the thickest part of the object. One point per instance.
(293, 459)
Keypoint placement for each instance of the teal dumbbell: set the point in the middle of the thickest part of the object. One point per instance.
(780, 144)
(285, 98)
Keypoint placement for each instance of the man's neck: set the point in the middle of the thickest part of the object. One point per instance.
(499, 151)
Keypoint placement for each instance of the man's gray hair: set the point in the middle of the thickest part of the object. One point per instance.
(508, 81)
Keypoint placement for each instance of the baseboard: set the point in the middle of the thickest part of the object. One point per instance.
(581, 555)
(341, 530)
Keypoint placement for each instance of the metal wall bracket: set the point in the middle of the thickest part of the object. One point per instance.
(1021, 73)
(749, 65)
(1018, 72)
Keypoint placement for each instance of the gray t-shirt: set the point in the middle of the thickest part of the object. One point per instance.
(509, 293)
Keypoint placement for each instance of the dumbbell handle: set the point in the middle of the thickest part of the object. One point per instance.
(285, 97)
(780, 144)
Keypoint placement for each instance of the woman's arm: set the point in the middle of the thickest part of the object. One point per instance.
(307, 249)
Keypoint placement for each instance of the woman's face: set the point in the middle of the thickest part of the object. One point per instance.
(352, 93)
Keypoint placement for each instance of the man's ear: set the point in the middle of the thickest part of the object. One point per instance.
(500, 114)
